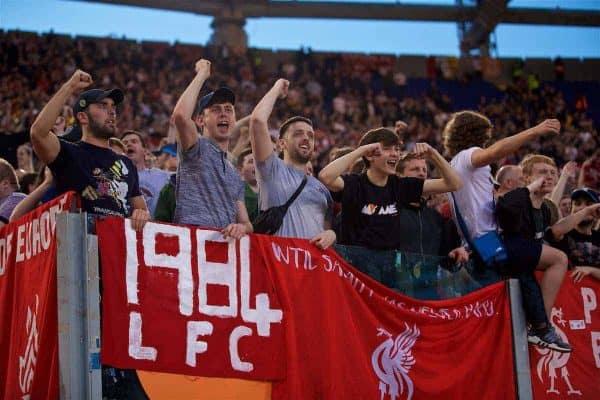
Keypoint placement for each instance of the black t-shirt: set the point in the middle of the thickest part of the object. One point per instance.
(370, 213)
(538, 221)
(582, 250)
(104, 180)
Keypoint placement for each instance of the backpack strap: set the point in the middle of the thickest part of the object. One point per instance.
(297, 192)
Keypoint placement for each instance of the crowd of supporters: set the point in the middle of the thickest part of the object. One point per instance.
(344, 95)
(153, 131)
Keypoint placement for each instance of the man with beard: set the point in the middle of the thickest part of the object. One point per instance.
(209, 191)
(309, 215)
(106, 182)
(582, 244)
(152, 180)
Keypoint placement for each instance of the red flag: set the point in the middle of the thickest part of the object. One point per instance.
(576, 318)
(346, 336)
(28, 314)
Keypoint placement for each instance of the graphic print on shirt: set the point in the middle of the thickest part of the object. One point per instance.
(374, 209)
(111, 183)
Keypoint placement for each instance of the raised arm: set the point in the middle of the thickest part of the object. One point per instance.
(569, 171)
(509, 145)
(259, 128)
(331, 174)
(240, 138)
(449, 182)
(568, 223)
(45, 143)
(187, 135)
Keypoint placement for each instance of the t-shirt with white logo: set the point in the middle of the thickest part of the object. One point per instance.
(475, 200)
(370, 216)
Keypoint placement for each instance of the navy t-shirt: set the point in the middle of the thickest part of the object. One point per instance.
(370, 213)
(105, 180)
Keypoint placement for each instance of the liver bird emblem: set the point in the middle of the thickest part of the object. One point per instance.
(551, 361)
(392, 360)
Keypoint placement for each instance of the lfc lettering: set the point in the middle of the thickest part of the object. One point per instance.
(210, 273)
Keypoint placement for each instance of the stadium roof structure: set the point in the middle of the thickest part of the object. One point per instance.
(477, 19)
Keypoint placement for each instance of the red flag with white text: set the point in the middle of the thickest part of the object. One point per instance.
(576, 319)
(183, 300)
(28, 313)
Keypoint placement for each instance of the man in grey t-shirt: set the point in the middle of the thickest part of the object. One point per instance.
(209, 190)
(309, 216)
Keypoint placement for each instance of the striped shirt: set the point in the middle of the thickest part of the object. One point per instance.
(208, 187)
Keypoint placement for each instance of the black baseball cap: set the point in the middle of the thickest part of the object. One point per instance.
(586, 192)
(94, 96)
(219, 96)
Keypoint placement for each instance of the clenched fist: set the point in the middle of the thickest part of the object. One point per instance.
(80, 80)
(202, 68)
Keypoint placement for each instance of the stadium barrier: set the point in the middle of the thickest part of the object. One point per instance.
(49, 352)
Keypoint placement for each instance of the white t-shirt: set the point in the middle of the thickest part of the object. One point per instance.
(475, 200)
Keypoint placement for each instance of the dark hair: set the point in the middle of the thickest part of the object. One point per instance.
(286, 124)
(140, 135)
(243, 154)
(27, 180)
(384, 136)
(465, 129)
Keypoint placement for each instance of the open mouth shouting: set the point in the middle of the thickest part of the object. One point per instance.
(223, 126)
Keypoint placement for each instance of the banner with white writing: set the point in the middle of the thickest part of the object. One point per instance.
(576, 318)
(183, 300)
(28, 313)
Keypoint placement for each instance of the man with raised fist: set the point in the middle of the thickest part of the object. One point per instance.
(107, 182)
(209, 190)
(309, 215)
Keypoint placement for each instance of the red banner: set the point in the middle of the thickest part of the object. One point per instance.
(181, 300)
(28, 314)
(576, 318)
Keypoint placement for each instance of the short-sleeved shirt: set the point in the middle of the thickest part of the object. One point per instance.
(371, 213)
(306, 216)
(152, 180)
(208, 187)
(8, 205)
(475, 200)
(105, 180)
(582, 250)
